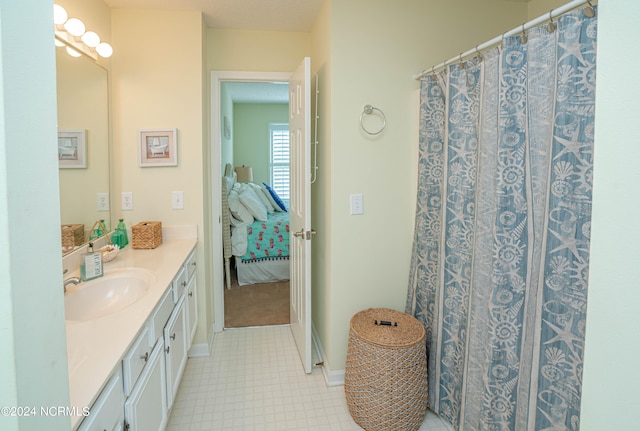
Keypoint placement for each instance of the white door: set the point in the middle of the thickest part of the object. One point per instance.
(300, 208)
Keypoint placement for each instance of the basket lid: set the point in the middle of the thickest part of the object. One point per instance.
(393, 328)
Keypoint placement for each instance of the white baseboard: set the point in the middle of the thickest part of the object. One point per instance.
(202, 349)
(331, 378)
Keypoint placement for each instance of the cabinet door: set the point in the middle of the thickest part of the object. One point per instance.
(146, 409)
(175, 348)
(107, 413)
(192, 311)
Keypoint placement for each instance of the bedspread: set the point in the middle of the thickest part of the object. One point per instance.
(268, 240)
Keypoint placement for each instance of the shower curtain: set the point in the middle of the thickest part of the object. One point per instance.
(500, 257)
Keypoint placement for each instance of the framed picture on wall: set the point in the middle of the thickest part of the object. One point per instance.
(72, 149)
(157, 147)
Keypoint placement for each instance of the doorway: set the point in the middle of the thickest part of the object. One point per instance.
(243, 88)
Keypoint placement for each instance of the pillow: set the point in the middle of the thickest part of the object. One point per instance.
(273, 203)
(276, 198)
(251, 201)
(266, 202)
(238, 210)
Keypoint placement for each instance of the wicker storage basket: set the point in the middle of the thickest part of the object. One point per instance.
(146, 234)
(385, 379)
(72, 235)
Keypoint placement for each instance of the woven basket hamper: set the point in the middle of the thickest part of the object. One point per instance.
(385, 379)
(146, 234)
(72, 235)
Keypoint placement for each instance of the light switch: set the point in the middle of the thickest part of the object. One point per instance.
(357, 204)
(177, 200)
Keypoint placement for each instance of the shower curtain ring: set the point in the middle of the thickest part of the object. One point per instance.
(461, 62)
(478, 54)
(588, 11)
(551, 27)
(523, 37)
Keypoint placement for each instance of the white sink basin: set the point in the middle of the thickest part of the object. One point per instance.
(116, 290)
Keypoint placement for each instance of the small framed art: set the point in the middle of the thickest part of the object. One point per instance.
(72, 149)
(157, 147)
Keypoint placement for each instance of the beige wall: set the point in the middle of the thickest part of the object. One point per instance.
(255, 51)
(365, 261)
(158, 84)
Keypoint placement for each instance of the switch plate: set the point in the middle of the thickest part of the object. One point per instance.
(103, 202)
(127, 201)
(357, 204)
(177, 200)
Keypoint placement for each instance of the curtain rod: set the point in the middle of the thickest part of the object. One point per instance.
(553, 13)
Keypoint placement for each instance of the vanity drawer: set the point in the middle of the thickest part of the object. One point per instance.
(135, 360)
(190, 264)
(180, 284)
(160, 316)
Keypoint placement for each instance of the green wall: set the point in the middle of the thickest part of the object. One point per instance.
(251, 135)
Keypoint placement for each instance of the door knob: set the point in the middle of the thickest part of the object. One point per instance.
(306, 234)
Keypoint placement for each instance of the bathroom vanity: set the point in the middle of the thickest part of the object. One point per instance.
(125, 366)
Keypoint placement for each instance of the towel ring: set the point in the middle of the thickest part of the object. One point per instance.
(368, 109)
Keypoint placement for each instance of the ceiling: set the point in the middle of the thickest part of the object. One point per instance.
(267, 15)
(257, 92)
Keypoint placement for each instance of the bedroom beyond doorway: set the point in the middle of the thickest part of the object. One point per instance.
(261, 304)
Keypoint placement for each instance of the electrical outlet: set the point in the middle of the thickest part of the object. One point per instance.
(357, 204)
(127, 201)
(103, 202)
(177, 200)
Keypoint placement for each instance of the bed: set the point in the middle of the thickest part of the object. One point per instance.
(255, 232)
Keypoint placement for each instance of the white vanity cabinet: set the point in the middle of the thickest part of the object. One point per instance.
(175, 348)
(145, 409)
(192, 297)
(141, 390)
(107, 413)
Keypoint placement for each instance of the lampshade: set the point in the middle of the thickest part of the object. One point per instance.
(91, 39)
(59, 15)
(104, 49)
(74, 27)
(245, 174)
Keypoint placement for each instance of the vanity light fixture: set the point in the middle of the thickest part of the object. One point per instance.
(71, 32)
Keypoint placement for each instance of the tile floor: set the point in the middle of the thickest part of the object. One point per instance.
(254, 381)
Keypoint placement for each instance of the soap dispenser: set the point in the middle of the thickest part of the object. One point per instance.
(91, 264)
(121, 230)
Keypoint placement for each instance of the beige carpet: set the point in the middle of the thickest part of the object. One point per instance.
(256, 304)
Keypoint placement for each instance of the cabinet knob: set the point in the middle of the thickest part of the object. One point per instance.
(167, 349)
(145, 357)
(173, 337)
(191, 294)
(183, 284)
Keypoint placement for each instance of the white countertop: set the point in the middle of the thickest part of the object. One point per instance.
(96, 347)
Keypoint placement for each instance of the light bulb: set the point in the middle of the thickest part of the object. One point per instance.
(72, 52)
(75, 27)
(91, 39)
(104, 49)
(59, 15)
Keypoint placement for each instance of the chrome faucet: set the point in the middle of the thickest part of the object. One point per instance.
(72, 280)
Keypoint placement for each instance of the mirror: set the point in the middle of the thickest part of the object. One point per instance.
(83, 115)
